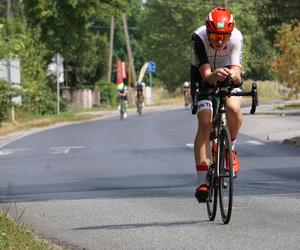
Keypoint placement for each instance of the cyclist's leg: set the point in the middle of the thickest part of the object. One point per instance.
(234, 115)
(202, 146)
(119, 103)
(126, 103)
(202, 152)
(203, 107)
(234, 120)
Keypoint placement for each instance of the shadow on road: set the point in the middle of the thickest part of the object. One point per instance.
(146, 225)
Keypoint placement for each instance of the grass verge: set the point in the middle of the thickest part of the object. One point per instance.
(27, 122)
(289, 106)
(16, 236)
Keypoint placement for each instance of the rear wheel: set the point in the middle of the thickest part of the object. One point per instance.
(226, 175)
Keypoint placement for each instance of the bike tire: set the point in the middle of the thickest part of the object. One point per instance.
(139, 109)
(212, 202)
(225, 175)
(122, 112)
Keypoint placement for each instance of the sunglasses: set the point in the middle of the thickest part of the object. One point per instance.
(218, 36)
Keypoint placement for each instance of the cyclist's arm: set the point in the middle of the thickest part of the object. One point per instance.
(120, 94)
(236, 57)
(212, 77)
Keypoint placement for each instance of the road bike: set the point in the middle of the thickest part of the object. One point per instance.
(221, 174)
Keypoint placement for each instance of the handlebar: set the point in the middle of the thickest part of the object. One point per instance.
(253, 94)
(226, 92)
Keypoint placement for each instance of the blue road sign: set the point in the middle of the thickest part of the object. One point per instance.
(151, 67)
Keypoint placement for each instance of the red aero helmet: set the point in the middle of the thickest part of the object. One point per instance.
(219, 20)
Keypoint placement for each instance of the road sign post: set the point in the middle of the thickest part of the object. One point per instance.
(151, 69)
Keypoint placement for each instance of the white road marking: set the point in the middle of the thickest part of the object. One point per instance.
(63, 150)
(190, 145)
(7, 151)
(252, 142)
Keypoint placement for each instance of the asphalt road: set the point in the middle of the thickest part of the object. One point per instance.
(111, 184)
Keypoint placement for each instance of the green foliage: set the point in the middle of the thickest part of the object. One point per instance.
(108, 93)
(16, 236)
(77, 29)
(167, 40)
(6, 92)
(257, 50)
(24, 43)
(287, 63)
(273, 13)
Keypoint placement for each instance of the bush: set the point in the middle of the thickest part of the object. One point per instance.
(6, 92)
(39, 100)
(108, 94)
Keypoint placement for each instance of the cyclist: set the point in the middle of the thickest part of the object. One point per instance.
(186, 89)
(217, 56)
(139, 88)
(122, 93)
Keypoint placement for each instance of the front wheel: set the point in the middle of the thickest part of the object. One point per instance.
(122, 111)
(225, 166)
(212, 201)
(139, 108)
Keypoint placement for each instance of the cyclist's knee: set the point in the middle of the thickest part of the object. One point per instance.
(234, 110)
(204, 122)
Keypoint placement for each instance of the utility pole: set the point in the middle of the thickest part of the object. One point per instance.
(130, 57)
(111, 44)
(8, 9)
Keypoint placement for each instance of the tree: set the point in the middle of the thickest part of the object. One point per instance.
(69, 27)
(5, 99)
(273, 13)
(17, 40)
(287, 63)
(64, 29)
(168, 28)
(257, 50)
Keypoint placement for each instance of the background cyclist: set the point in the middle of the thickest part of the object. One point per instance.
(122, 93)
(217, 55)
(186, 89)
(139, 88)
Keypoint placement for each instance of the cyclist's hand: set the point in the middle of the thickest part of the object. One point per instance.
(233, 75)
(221, 74)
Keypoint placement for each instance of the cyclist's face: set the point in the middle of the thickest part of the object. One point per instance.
(218, 44)
(218, 41)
